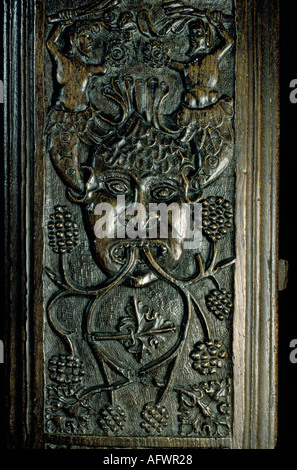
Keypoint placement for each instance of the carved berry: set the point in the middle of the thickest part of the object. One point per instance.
(112, 420)
(219, 302)
(66, 370)
(208, 357)
(156, 418)
(62, 231)
(217, 217)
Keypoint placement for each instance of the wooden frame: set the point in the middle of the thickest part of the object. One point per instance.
(257, 235)
(256, 277)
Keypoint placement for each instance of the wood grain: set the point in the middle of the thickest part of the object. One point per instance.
(35, 182)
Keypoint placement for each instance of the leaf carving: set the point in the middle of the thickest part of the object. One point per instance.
(144, 327)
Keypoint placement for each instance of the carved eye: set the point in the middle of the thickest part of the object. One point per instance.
(117, 187)
(164, 193)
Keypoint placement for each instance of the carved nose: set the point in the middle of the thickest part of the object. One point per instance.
(139, 196)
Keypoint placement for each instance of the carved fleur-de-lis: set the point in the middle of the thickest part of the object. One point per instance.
(143, 327)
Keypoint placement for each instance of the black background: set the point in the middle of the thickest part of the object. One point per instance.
(287, 413)
(287, 399)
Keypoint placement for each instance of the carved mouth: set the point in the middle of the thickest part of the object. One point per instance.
(118, 252)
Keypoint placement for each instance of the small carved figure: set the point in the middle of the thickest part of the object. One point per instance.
(201, 73)
(73, 71)
(73, 123)
(204, 115)
(69, 122)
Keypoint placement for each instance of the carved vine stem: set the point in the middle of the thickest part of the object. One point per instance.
(80, 397)
(173, 355)
(71, 290)
(203, 272)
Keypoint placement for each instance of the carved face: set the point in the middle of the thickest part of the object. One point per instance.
(84, 42)
(198, 38)
(110, 252)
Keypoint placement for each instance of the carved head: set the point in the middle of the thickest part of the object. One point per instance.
(199, 37)
(137, 161)
(82, 39)
(140, 170)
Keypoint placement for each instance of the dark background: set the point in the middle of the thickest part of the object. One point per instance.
(287, 403)
(3, 421)
(287, 413)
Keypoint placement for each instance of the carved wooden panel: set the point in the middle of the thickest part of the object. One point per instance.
(142, 339)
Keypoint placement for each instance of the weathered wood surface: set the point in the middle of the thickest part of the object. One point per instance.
(138, 343)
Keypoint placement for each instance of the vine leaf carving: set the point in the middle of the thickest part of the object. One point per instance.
(66, 413)
(205, 409)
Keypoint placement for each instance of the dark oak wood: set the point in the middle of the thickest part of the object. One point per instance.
(81, 85)
(257, 222)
